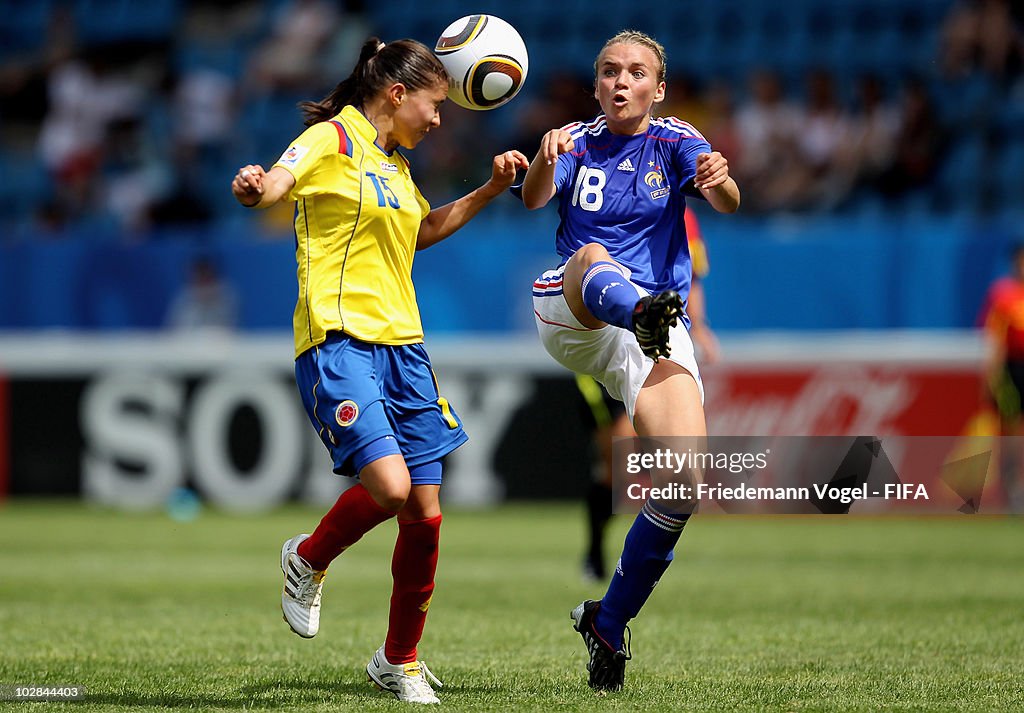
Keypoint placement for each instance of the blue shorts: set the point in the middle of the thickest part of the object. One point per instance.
(367, 401)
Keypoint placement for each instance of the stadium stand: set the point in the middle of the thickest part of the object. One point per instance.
(110, 110)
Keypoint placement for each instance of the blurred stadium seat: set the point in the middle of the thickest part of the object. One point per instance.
(107, 20)
(23, 27)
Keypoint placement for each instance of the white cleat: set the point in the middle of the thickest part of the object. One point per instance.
(407, 681)
(300, 598)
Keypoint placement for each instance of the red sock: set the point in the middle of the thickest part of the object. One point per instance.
(412, 567)
(355, 514)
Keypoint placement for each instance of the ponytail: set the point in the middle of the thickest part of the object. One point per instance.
(348, 91)
(380, 65)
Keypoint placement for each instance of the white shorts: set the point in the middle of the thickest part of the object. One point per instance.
(611, 354)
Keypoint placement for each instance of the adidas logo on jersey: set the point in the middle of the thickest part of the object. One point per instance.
(626, 165)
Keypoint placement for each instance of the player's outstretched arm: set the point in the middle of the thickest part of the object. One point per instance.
(255, 188)
(539, 184)
(442, 222)
(713, 180)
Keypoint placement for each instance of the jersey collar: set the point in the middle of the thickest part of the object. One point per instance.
(362, 126)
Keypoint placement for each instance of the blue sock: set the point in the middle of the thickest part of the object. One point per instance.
(609, 295)
(646, 555)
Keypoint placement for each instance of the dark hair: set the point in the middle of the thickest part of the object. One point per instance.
(380, 65)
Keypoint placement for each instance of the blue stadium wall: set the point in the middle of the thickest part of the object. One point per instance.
(802, 274)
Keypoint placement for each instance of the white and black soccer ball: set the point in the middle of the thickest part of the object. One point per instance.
(486, 60)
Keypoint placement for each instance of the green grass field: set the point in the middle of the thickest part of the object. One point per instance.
(786, 614)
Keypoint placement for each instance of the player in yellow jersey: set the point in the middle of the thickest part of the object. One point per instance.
(363, 374)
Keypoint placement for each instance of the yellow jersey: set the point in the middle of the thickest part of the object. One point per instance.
(357, 216)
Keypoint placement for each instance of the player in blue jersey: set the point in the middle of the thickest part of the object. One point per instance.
(607, 419)
(614, 308)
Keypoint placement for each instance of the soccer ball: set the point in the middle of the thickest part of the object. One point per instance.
(486, 60)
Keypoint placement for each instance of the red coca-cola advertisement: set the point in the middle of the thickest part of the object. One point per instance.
(867, 398)
(838, 399)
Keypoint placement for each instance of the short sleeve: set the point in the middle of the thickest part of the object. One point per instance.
(690, 144)
(563, 170)
(304, 157)
(688, 149)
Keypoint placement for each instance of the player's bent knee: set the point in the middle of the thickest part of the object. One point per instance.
(591, 253)
(387, 480)
(390, 497)
(391, 491)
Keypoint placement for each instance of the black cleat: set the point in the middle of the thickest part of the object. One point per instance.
(607, 667)
(653, 317)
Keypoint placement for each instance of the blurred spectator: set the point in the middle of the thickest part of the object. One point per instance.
(204, 122)
(289, 60)
(566, 96)
(99, 104)
(221, 22)
(465, 134)
(768, 125)
(206, 302)
(824, 129)
(722, 130)
(183, 204)
(917, 142)
(804, 175)
(85, 95)
(709, 109)
(342, 49)
(204, 108)
(136, 176)
(450, 154)
(872, 138)
(985, 35)
(685, 99)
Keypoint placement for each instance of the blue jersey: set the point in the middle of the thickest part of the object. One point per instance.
(627, 193)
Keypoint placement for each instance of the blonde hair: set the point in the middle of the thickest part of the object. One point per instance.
(635, 37)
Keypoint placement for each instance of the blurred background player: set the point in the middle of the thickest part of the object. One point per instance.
(206, 303)
(1003, 317)
(611, 308)
(607, 419)
(363, 374)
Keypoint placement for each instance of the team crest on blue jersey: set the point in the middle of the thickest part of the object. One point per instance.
(346, 413)
(655, 179)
